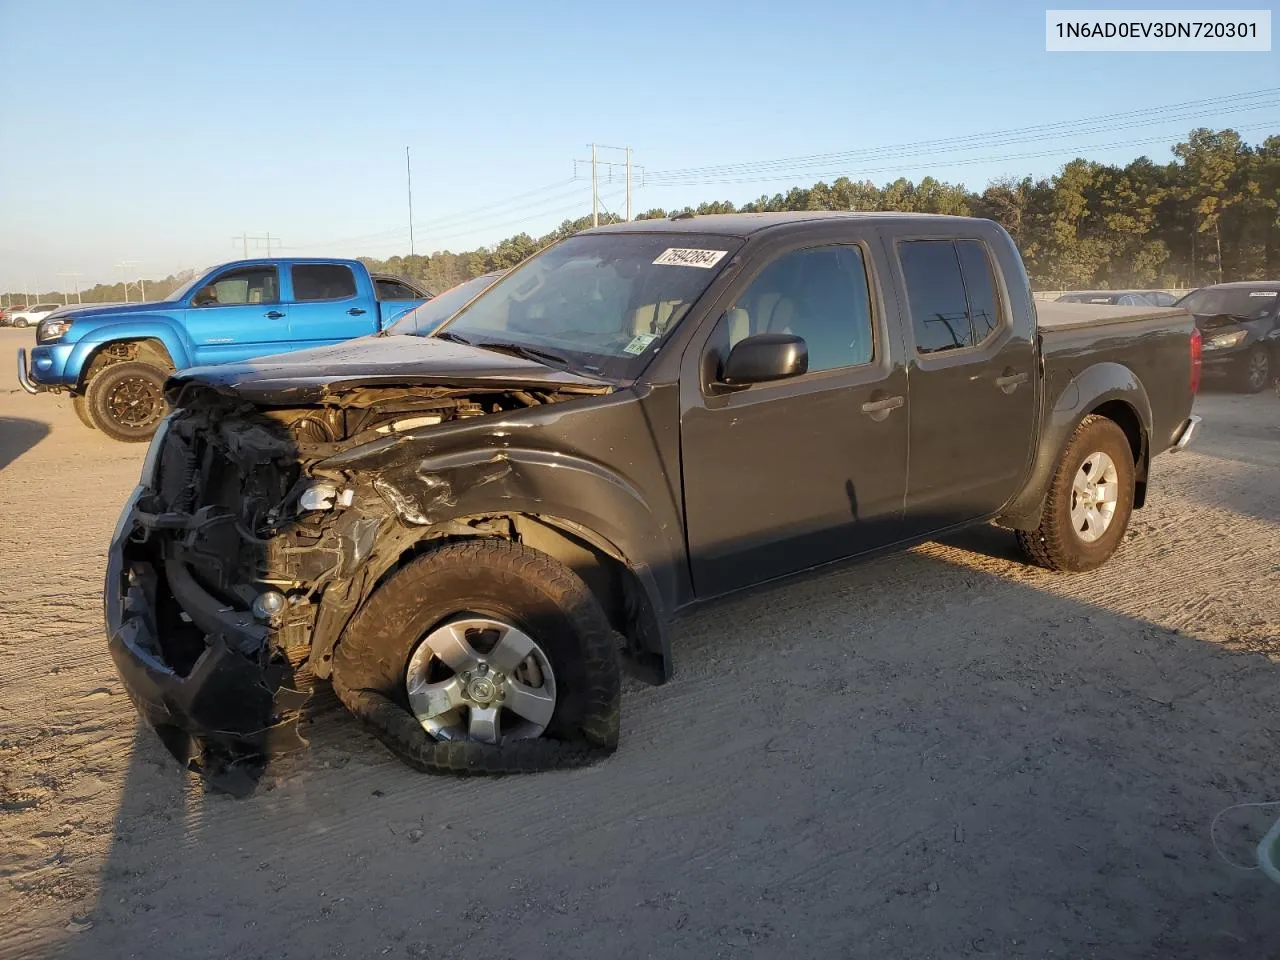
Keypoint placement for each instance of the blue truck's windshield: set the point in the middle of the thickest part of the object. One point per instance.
(601, 301)
(185, 288)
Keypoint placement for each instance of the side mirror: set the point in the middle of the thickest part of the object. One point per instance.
(765, 357)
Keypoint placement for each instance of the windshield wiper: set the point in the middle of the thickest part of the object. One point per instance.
(452, 337)
(536, 354)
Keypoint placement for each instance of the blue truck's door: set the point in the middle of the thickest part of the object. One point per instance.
(395, 299)
(328, 306)
(237, 315)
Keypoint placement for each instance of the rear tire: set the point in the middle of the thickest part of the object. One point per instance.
(81, 406)
(1255, 370)
(499, 581)
(126, 400)
(1090, 499)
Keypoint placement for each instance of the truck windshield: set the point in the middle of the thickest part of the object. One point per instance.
(1235, 301)
(424, 320)
(603, 302)
(186, 286)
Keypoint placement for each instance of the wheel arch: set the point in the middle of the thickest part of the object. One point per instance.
(147, 349)
(1109, 390)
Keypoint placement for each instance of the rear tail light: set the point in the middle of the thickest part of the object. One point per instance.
(1197, 352)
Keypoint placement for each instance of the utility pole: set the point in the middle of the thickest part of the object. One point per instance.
(123, 266)
(244, 239)
(596, 164)
(408, 173)
(75, 279)
(595, 190)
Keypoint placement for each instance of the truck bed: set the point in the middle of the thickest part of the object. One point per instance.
(1150, 342)
(1054, 316)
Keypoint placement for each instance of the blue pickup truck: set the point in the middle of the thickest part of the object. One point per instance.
(114, 360)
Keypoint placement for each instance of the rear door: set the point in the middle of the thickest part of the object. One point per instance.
(327, 306)
(237, 315)
(787, 475)
(973, 383)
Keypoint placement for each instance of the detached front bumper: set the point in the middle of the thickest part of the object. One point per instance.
(220, 705)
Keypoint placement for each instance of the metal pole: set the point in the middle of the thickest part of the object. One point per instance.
(408, 173)
(628, 184)
(595, 190)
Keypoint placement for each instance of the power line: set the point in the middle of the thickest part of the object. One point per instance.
(596, 163)
(965, 161)
(245, 239)
(1215, 106)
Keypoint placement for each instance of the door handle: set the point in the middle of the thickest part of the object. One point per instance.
(883, 406)
(356, 311)
(273, 314)
(1009, 382)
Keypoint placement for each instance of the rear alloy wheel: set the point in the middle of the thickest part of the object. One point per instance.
(1090, 498)
(81, 406)
(483, 656)
(126, 400)
(1255, 371)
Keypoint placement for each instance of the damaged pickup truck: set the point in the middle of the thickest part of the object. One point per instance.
(469, 533)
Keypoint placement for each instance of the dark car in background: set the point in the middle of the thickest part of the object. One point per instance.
(1121, 298)
(1240, 324)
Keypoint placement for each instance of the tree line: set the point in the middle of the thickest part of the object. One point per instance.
(1212, 213)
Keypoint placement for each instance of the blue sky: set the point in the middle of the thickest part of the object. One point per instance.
(155, 131)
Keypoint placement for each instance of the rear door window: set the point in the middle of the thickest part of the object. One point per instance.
(951, 292)
(935, 293)
(322, 281)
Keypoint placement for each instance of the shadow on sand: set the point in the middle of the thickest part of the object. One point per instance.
(17, 436)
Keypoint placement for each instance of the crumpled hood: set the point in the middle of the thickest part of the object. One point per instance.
(306, 376)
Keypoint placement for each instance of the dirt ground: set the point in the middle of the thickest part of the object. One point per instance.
(941, 753)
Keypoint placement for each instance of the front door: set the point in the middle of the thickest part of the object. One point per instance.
(973, 385)
(237, 315)
(787, 475)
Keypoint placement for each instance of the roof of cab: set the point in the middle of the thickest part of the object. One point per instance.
(745, 224)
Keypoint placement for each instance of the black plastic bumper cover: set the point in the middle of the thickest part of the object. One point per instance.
(225, 715)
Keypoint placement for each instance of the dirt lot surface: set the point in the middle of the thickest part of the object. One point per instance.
(942, 753)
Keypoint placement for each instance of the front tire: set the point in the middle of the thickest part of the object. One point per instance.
(126, 400)
(483, 656)
(1090, 499)
(21, 322)
(81, 406)
(1255, 370)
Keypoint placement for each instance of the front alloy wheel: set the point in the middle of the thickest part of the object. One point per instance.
(481, 679)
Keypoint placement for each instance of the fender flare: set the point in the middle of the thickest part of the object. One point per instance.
(1096, 387)
(166, 332)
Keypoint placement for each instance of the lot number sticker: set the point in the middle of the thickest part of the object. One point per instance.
(680, 257)
(1265, 293)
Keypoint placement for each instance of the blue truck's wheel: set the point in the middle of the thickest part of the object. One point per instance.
(81, 406)
(126, 400)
